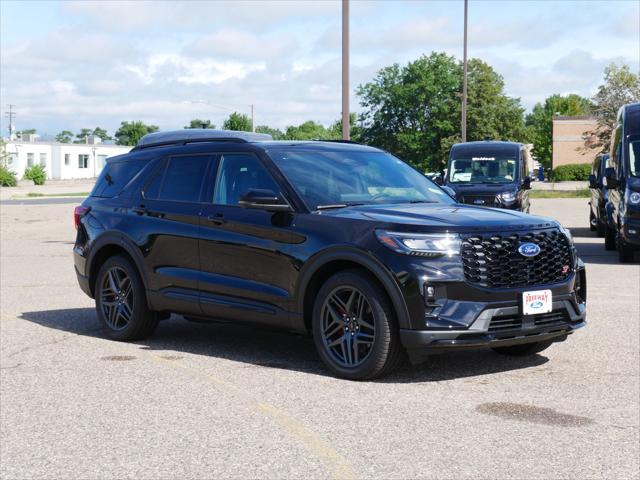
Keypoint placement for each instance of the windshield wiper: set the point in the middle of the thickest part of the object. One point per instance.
(338, 205)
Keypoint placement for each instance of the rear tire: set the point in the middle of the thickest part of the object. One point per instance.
(523, 350)
(354, 327)
(609, 238)
(121, 303)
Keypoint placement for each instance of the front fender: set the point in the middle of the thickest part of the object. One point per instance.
(363, 259)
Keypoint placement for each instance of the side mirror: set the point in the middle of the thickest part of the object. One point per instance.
(264, 200)
(450, 191)
(593, 182)
(610, 178)
(439, 179)
(526, 183)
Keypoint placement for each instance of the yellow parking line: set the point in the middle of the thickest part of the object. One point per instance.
(308, 438)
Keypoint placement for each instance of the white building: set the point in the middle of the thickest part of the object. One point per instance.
(61, 160)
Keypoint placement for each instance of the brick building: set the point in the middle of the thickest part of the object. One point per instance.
(570, 137)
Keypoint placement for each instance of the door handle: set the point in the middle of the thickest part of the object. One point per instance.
(217, 219)
(141, 210)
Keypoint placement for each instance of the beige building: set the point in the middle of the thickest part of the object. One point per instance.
(571, 140)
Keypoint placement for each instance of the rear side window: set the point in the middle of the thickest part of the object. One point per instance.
(179, 179)
(115, 176)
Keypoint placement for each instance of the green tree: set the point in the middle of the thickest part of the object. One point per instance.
(197, 123)
(354, 129)
(414, 111)
(238, 122)
(130, 133)
(274, 132)
(621, 86)
(28, 131)
(64, 136)
(310, 130)
(81, 136)
(540, 121)
(101, 133)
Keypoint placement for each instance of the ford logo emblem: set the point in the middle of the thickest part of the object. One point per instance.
(528, 249)
(537, 304)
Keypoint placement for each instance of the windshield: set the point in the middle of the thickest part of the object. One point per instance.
(484, 169)
(634, 156)
(327, 179)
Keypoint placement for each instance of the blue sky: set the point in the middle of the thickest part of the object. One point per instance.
(69, 65)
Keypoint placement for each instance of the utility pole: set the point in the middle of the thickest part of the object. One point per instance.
(253, 119)
(464, 78)
(345, 70)
(10, 114)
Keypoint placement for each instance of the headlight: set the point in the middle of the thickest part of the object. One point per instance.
(508, 196)
(567, 233)
(634, 198)
(420, 244)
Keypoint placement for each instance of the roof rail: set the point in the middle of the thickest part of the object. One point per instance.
(193, 135)
(337, 141)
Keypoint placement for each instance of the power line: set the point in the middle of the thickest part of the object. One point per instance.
(10, 114)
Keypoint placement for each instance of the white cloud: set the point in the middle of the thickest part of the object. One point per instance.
(167, 68)
(238, 44)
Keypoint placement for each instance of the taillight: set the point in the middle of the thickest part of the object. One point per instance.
(78, 213)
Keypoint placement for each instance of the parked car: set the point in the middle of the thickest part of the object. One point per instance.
(339, 240)
(599, 195)
(490, 174)
(623, 182)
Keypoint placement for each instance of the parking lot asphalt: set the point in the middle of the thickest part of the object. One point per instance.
(225, 401)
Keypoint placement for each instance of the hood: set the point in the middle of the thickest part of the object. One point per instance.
(439, 217)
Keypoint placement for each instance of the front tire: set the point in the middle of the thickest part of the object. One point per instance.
(354, 327)
(625, 252)
(523, 350)
(121, 303)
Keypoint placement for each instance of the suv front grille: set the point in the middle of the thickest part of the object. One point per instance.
(493, 260)
(504, 323)
(480, 200)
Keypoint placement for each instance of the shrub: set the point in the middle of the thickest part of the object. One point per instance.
(574, 171)
(37, 173)
(7, 177)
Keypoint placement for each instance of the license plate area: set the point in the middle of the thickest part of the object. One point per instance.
(537, 301)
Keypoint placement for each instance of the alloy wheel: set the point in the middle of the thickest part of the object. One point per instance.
(348, 327)
(116, 298)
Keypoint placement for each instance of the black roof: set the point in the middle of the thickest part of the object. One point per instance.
(193, 135)
(493, 145)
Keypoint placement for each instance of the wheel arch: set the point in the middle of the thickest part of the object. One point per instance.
(317, 270)
(108, 245)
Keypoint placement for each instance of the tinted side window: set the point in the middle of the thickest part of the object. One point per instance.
(183, 178)
(115, 176)
(151, 189)
(237, 174)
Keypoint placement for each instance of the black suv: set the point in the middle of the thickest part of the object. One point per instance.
(622, 179)
(490, 174)
(599, 195)
(341, 240)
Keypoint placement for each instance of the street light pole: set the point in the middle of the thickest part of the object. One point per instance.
(253, 122)
(345, 70)
(464, 78)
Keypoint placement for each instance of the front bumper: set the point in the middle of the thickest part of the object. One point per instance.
(473, 318)
(491, 329)
(630, 230)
